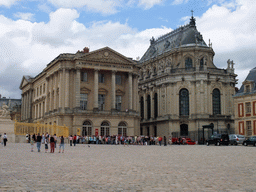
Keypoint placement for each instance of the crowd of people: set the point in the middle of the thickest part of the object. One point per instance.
(118, 140)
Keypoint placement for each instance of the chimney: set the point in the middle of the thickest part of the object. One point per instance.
(86, 50)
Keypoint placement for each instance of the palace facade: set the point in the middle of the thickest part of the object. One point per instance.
(245, 106)
(95, 93)
(180, 87)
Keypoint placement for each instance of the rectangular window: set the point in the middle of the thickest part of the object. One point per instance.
(249, 128)
(247, 89)
(118, 102)
(118, 79)
(101, 78)
(141, 130)
(40, 89)
(248, 107)
(120, 131)
(84, 76)
(37, 91)
(44, 88)
(83, 101)
(101, 102)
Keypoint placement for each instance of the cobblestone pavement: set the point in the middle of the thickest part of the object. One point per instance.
(132, 168)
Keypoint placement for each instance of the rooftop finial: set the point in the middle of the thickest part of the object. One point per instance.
(192, 20)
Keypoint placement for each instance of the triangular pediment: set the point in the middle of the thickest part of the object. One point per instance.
(24, 82)
(85, 90)
(106, 55)
(119, 92)
(103, 91)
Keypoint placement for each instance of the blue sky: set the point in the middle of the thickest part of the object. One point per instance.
(34, 32)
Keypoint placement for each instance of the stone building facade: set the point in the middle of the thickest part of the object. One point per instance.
(180, 88)
(245, 106)
(96, 92)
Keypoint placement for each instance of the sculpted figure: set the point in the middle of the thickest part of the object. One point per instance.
(5, 110)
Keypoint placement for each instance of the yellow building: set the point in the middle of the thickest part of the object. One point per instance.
(96, 92)
(245, 106)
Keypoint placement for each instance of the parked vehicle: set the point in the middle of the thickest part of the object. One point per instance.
(218, 139)
(235, 139)
(183, 140)
(250, 141)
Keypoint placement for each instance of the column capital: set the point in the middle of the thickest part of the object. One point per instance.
(114, 71)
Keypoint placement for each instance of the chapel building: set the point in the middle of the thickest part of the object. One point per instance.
(180, 87)
(94, 92)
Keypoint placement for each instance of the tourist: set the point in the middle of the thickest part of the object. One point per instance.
(38, 142)
(165, 141)
(34, 137)
(5, 139)
(55, 141)
(61, 144)
(46, 142)
(74, 140)
(32, 145)
(160, 140)
(70, 140)
(29, 138)
(52, 144)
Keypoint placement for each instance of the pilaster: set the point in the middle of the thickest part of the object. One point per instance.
(96, 88)
(130, 91)
(113, 91)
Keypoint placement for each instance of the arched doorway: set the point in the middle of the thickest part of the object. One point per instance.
(104, 129)
(122, 129)
(183, 130)
(87, 128)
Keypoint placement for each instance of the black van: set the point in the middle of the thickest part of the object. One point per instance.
(218, 139)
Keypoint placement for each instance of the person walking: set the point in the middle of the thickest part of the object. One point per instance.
(46, 142)
(160, 140)
(61, 144)
(38, 142)
(32, 145)
(52, 144)
(55, 141)
(70, 140)
(74, 140)
(5, 139)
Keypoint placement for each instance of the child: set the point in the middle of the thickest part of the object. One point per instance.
(32, 144)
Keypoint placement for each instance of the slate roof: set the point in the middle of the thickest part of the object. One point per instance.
(250, 77)
(183, 36)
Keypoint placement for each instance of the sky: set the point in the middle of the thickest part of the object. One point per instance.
(34, 32)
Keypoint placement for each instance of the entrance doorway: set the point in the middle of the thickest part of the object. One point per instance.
(183, 130)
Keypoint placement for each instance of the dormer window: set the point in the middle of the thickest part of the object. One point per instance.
(247, 89)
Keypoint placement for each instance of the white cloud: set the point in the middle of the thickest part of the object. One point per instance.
(232, 33)
(147, 4)
(177, 2)
(102, 6)
(25, 16)
(7, 3)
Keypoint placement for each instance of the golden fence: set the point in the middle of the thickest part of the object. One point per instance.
(31, 128)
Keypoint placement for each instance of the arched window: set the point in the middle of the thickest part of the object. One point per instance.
(184, 102)
(216, 101)
(149, 106)
(104, 128)
(142, 108)
(201, 64)
(87, 128)
(188, 63)
(155, 106)
(122, 129)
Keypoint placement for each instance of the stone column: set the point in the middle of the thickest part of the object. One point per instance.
(152, 115)
(113, 86)
(46, 95)
(77, 87)
(145, 106)
(135, 94)
(26, 105)
(130, 91)
(96, 88)
(22, 106)
(67, 90)
(29, 104)
(55, 90)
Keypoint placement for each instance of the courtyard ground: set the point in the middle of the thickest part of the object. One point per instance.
(132, 168)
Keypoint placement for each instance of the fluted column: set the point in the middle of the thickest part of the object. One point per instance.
(113, 85)
(26, 105)
(77, 87)
(67, 89)
(96, 88)
(55, 90)
(130, 90)
(22, 107)
(29, 104)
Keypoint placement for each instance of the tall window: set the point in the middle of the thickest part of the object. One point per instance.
(118, 79)
(184, 102)
(247, 89)
(155, 131)
(122, 129)
(184, 130)
(84, 76)
(104, 129)
(87, 128)
(201, 63)
(83, 101)
(142, 108)
(44, 88)
(149, 106)
(118, 102)
(248, 108)
(216, 101)
(188, 63)
(141, 130)
(101, 102)
(101, 78)
(249, 128)
(155, 106)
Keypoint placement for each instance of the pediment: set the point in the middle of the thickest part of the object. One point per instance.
(103, 91)
(85, 90)
(24, 82)
(119, 92)
(106, 55)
